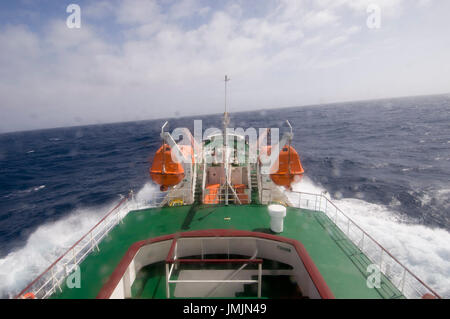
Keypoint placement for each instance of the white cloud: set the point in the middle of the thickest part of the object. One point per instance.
(320, 19)
(337, 40)
(138, 12)
(424, 3)
(161, 65)
(99, 9)
(17, 40)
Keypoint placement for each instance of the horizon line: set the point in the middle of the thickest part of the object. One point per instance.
(219, 113)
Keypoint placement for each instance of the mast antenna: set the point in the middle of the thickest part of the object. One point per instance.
(226, 119)
(226, 80)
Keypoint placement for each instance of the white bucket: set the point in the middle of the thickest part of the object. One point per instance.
(277, 214)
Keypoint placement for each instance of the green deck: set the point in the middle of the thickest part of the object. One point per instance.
(340, 262)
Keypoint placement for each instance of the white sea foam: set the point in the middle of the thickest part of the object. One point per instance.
(50, 240)
(26, 191)
(442, 196)
(424, 250)
(38, 188)
(32, 189)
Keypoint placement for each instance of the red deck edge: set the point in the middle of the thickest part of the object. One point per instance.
(311, 268)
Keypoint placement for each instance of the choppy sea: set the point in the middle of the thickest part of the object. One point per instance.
(386, 163)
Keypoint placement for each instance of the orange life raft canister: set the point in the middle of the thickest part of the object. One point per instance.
(212, 194)
(28, 295)
(164, 171)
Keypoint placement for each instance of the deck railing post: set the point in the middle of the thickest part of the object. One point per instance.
(362, 242)
(55, 279)
(259, 279)
(94, 242)
(320, 202)
(381, 257)
(403, 280)
(201, 243)
(167, 282)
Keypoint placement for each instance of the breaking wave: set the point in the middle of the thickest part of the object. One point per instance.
(51, 240)
(424, 250)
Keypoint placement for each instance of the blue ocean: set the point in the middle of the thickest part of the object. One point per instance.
(385, 162)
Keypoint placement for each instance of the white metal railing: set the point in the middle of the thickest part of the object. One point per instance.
(203, 180)
(258, 177)
(194, 181)
(233, 197)
(175, 197)
(249, 180)
(398, 274)
(51, 280)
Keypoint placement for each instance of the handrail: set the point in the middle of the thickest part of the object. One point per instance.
(51, 267)
(384, 249)
(214, 261)
(161, 199)
(365, 234)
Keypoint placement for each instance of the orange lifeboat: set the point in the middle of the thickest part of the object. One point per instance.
(288, 167)
(164, 170)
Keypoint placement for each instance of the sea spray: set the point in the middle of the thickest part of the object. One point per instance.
(422, 249)
(51, 240)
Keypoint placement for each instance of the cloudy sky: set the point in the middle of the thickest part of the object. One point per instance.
(138, 59)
